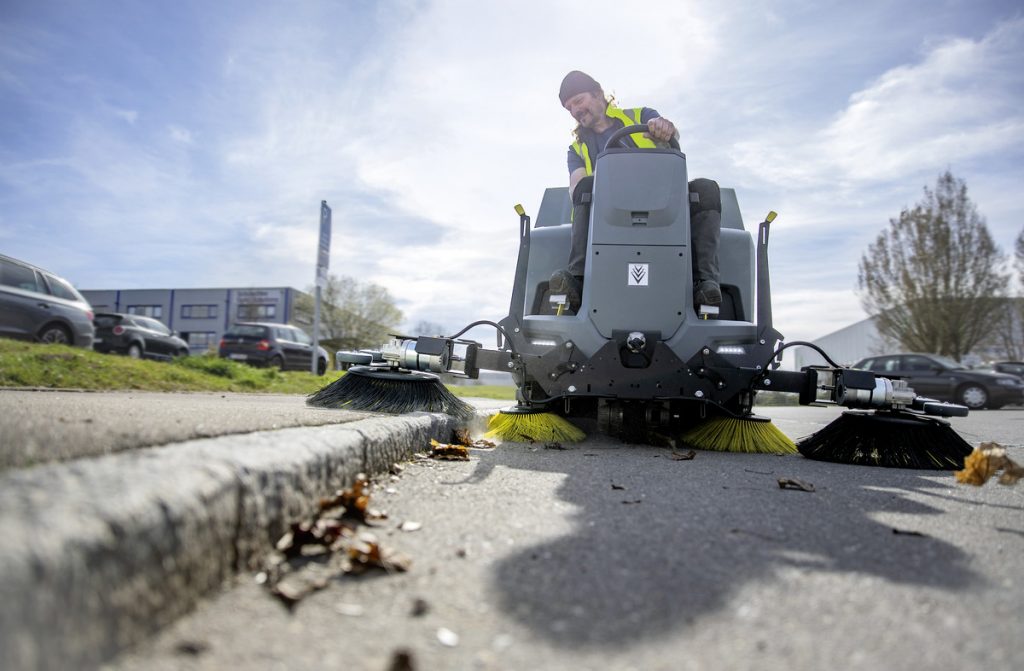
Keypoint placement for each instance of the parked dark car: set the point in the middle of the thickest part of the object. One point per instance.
(137, 336)
(942, 378)
(277, 345)
(1015, 368)
(37, 305)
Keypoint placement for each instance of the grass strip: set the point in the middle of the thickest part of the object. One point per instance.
(27, 364)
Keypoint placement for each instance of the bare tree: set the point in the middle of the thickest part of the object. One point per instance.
(933, 279)
(353, 315)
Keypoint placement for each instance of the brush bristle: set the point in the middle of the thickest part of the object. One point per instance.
(361, 392)
(896, 440)
(728, 434)
(536, 427)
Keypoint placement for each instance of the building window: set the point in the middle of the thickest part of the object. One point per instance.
(155, 311)
(257, 311)
(198, 311)
(200, 339)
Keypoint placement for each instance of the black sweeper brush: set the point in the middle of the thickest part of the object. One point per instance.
(892, 439)
(391, 391)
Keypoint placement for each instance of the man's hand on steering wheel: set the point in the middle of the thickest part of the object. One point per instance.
(661, 130)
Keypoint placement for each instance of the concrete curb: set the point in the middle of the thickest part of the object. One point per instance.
(97, 554)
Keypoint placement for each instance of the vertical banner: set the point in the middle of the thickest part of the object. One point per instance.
(323, 259)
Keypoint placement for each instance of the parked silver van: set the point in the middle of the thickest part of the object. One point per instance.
(38, 305)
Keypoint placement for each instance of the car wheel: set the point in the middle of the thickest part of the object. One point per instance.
(55, 334)
(135, 351)
(974, 396)
(276, 362)
(321, 367)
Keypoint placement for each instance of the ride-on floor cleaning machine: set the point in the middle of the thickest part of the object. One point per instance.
(638, 356)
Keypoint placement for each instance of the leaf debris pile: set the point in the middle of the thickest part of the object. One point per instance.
(984, 462)
(458, 449)
(462, 437)
(331, 544)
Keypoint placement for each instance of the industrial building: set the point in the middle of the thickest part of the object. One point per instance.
(846, 346)
(201, 316)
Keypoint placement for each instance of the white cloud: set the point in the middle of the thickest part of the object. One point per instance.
(961, 101)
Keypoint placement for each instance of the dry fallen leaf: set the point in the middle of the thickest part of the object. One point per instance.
(984, 462)
(447, 451)
(793, 483)
(366, 553)
(683, 456)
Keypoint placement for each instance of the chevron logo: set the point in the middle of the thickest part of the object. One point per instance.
(637, 275)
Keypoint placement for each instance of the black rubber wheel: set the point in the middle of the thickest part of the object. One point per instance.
(974, 396)
(277, 362)
(135, 351)
(55, 334)
(321, 366)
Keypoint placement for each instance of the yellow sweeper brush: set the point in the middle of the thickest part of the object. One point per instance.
(728, 434)
(520, 424)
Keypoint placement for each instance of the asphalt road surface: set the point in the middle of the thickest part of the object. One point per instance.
(610, 556)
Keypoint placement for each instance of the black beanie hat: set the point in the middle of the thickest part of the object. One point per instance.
(574, 83)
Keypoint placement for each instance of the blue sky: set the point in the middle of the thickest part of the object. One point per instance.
(189, 144)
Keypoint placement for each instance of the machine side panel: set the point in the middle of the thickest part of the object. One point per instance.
(731, 217)
(555, 207)
(549, 251)
(736, 262)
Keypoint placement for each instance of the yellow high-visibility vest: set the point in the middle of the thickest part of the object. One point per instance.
(628, 117)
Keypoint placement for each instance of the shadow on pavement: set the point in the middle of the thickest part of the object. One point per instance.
(672, 541)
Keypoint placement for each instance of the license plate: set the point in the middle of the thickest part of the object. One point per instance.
(239, 357)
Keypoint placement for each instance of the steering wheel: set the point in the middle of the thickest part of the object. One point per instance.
(617, 137)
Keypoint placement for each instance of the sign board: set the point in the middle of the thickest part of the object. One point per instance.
(323, 254)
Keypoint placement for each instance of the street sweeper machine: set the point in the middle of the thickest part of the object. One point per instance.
(637, 357)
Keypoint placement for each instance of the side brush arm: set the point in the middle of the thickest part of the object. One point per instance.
(853, 388)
